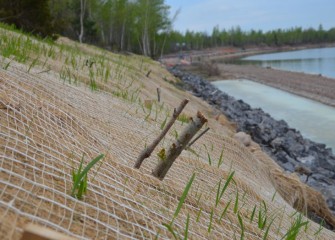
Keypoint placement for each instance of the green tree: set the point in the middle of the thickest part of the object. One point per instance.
(30, 15)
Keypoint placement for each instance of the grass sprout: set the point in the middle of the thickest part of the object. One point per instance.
(183, 197)
(295, 228)
(183, 118)
(220, 162)
(225, 210)
(220, 192)
(210, 221)
(79, 177)
(170, 229)
(241, 225)
(186, 227)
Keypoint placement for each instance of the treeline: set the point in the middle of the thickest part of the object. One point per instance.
(238, 38)
(140, 26)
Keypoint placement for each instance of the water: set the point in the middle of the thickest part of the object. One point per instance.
(313, 61)
(314, 120)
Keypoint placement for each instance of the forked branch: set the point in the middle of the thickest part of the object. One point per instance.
(148, 150)
(176, 148)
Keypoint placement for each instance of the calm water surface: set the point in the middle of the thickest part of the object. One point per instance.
(314, 120)
(313, 61)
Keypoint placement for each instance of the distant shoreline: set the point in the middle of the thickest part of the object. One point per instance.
(315, 87)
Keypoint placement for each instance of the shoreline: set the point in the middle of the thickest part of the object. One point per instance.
(312, 86)
(315, 87)
(283, 144)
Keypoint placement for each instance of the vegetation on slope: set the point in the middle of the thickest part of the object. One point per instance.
(60, 100)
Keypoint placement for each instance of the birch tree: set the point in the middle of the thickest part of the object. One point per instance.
(82, 15)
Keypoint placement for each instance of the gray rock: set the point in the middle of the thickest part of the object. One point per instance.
(243, 138)
(284, 144)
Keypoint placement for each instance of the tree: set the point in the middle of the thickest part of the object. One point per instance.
(30, 15)
(82, 15)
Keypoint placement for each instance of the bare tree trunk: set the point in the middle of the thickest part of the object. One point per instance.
(148, 150)
(82, 14)
(103, 39)
(176, 148)
(145, 34)
(122, 34)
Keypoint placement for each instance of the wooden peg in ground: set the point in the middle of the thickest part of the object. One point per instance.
(158, 94)
(148, 150)
(177, 147)
(36, 232)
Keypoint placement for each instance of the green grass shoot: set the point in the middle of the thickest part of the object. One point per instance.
(253, 214)
(229, 179)
(241, 225)
(79, 177)
(267, 230)
(262, 216)
(199, 214)
(183, 118)
(209, 159)
(225, 210)
(170, 229)
(220, 162)
(320, 228)
(183, 197)
(210, 221)
(295, 228)
(236, 203)
(163, 123)
(186, 227)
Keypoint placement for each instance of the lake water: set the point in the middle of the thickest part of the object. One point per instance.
(313, 61)
(314, 120)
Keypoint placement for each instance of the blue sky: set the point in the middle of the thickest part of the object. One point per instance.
(203, 15)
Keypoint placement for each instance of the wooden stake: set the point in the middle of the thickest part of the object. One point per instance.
(36, 232)
(176, 148)
(158, 94)
(148, 150)
(148, 74)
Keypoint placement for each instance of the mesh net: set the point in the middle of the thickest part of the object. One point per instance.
(48, 124)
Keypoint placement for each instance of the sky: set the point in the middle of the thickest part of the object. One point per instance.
(203, 15)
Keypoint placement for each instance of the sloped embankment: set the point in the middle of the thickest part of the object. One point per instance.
(76, 100)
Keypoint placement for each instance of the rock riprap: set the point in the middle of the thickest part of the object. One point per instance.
(284, 144)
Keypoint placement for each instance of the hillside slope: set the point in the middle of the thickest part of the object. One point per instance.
(62, 101)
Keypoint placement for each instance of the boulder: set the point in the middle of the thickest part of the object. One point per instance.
(243, 138)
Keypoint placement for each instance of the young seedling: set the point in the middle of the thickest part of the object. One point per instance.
(79, 177)
(186, 227)
(253, 214)
(220, 194)
(241, 225)
(169, 226)
(220, 162)
(209, 159)
(210, 221)
(183, 197)
(225, 210)
(183, 118)
(199, 214)
(267, 230)
(262, 216)
(294, 230)
(236, 203)
(320, 228)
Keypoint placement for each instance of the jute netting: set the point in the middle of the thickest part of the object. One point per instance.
(48, 125)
